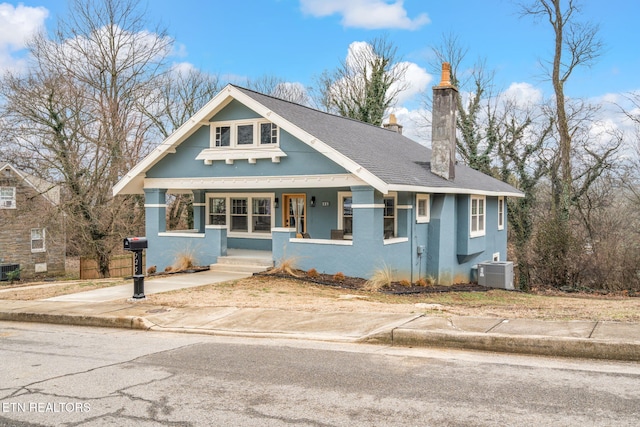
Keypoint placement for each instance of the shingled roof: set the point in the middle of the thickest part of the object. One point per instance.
(392, 157)
(380, 156)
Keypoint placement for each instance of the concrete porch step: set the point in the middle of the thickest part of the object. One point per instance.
(238, 261)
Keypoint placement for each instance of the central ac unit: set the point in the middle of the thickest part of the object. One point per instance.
(496, 274)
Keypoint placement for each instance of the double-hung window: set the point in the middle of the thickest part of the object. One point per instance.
(37, 239)
(7, 197)
(422, 208)
(261, 212)
(478, 217)
(239, 214)
(500, 213)
(217, 211)
(242, 214)
(345, 213)
(389, 217)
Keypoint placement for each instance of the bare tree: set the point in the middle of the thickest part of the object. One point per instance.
(75, 115)
(477, 103)
(576, 44)
(279, 88)
(366, 84)
(178, 96)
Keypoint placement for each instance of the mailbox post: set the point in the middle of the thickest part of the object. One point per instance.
(137, 245)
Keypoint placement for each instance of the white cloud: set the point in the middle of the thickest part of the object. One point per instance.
(523, 94)
(369, 14)
(17, 25)
(417, 80)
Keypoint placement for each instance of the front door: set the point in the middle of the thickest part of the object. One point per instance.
(295, 211)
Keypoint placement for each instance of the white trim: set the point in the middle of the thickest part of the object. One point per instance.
(283, 230)
(480, 231)
(423, 219)
(407, 207)
(254, 182)
(395, 240)
(43, 236)
(131, 182)
(340, 212)
(199, 205)
(249, 234)
(322, 241)
(181, 234)
(155, 205)
(501, 203)
(394, 196)
(450, 190)
(368, 206)
(215, 227)
(209, 155)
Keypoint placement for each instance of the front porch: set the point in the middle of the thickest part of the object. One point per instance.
(355, 231)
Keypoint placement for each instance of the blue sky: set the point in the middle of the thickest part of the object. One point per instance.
(297, 39)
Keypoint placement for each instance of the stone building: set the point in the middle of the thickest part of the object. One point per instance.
(32, 234)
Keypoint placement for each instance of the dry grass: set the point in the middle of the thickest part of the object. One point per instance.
(380, 279)
(287, 294)
(35, 291)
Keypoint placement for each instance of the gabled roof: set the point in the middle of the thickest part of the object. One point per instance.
(49, 191)
(384, 159)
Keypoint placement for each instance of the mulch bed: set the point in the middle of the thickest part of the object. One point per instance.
(357, 283)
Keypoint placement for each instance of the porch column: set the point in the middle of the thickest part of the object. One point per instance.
(368, 219)
(155, 210)
(199, 210)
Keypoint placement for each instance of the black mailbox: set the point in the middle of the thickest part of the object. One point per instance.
(135, 243)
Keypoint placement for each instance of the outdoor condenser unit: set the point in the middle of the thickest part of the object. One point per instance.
(496, 274)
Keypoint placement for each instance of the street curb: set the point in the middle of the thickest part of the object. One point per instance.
(532, 345)
(124, 322)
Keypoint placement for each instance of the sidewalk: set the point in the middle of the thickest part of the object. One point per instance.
(108, 307)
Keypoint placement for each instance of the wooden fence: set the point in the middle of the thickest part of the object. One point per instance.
(120, 266)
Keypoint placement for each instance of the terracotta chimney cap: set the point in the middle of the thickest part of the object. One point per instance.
(445, 79)
(392, 119)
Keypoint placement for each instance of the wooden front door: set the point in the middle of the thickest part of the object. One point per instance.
(295, 212)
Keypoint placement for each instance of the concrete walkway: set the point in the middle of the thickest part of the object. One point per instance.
(108, 307)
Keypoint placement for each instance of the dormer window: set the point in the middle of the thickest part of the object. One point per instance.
(223, 136)
(244, 134)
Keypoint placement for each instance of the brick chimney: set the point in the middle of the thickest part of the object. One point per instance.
(443, 126)
(393, 124)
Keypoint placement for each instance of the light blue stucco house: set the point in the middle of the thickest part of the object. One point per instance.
(331, 193)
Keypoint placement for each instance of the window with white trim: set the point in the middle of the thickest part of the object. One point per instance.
(423, 208)
(7, 197)
(478, 217)
(243, 214)
(239, 214)
(345, 213)
(500, 213)
(38, 240)
(389, 214)
(217, 211)
(244, 134)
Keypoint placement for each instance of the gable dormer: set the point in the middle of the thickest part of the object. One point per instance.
(238, 133)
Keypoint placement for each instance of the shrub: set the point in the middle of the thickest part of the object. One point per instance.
(285, 266)
(405, 282)
(381, 278)
(184, 261)
(338, 277)
(313, 273)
